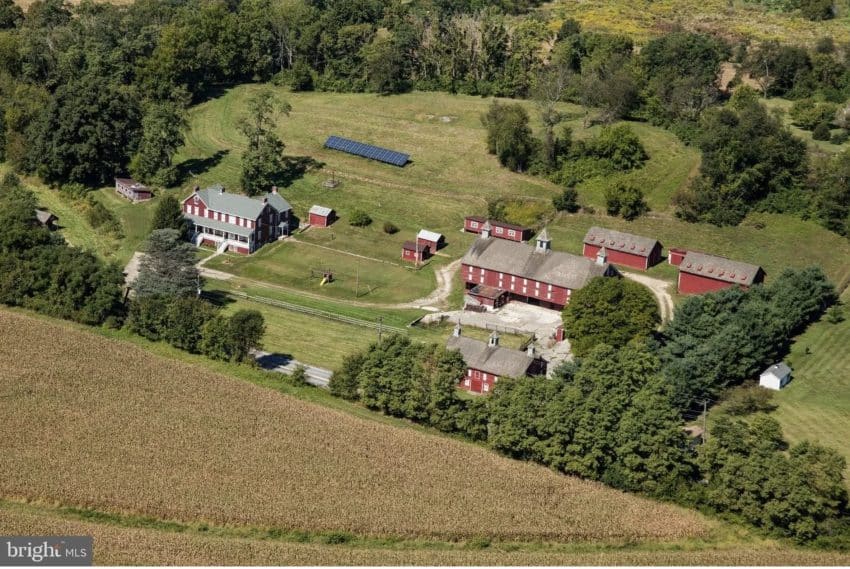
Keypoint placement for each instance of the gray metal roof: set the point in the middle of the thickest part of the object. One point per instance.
(520, 259)
(719, 268)
(239, 205)
(44, 216)
(429, 235)
(779, 370)
(500, 361)
(220, 225)
(321, 210)
(619, 241)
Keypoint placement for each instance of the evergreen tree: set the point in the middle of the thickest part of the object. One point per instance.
(169, 215)
(168, 267)
(262, 161)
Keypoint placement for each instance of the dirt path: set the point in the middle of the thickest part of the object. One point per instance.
(131, 270)
(659, 290)
(438, 298)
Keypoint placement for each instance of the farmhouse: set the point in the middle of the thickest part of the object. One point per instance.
(622, 248)
(132, 190)
(536, 275)
(414, 252)
(775, 377)
(236, 222)
(430, 239)
(700, 273)
(320, 216)
(487, 361)
(474, 224)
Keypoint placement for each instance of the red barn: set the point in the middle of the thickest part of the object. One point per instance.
(675, 256)
(622, 248)
(132, 190)
(700, 273)
(487, 362)
(536, 275)
(414, 252)
(321, 216)
(474, 224)
(236, 222)
(430, 239)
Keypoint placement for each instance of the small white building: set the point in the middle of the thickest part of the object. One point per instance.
(775, 377)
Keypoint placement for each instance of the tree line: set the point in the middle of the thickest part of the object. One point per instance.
(615, 414)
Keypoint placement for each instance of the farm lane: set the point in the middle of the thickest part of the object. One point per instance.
(317, 376)
(659, 290)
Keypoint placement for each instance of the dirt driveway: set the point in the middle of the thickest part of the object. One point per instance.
(659, 290)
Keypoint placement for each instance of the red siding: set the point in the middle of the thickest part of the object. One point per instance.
(497, 229)
(676, 256)
(622, 257)
(468, 224)
(408, 255)
(698, 284)
(431, 245)
(475, 381)
(529, 289)
(317, 220)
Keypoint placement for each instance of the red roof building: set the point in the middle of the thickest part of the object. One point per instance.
(675, 256)
(487, 362)
(413, 252)
(430, 239)
(474, 224)
(622, 248)
(536, 275)
(700, 273)
(321, 216)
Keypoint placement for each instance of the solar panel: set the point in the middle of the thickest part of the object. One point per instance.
(367, 151)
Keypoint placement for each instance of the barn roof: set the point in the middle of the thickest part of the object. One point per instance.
(321, 210)
(429, 235)
(779, 370)
(132, 184)
(44, 217)
(497, 360)
(520, 259)
(719, 268)
(619, 241)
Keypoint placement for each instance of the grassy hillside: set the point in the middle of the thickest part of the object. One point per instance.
(816, 404)
(733, 19)
(136, 434)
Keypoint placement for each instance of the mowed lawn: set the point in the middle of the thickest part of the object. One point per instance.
(816, 404)
(732, 19)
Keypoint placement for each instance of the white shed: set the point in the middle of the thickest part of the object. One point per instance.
(775, 377)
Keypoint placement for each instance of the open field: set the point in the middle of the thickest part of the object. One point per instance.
(103, 424)
(128, 544)
(816, 404)
(732, 19)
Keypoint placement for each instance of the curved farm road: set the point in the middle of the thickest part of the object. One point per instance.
(445, 279)
(659, 290)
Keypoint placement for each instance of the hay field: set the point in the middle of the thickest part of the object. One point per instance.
(102, 424)
(140, 546)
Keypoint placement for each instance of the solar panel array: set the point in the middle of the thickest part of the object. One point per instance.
(367, 151)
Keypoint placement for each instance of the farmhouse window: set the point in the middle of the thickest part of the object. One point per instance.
(525, 281)
(511, 233)
(524, 290)
(473, 224)
(550, 288)
(466, 382)
(513, 278)
(499, 230)
(485, 387)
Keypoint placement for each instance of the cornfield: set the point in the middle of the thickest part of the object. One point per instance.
(99, 423)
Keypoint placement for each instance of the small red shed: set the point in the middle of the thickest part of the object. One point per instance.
(132, 190)
(430, 239)
(320, 216)
(700, 273)
(414, 252)
(622, 248)
(675, 256)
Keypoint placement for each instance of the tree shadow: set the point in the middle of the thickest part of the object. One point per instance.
(273, 361)
(217, 297)
(294, 168)
(196, 166)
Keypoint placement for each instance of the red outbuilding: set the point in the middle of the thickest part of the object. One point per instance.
(320, 216)
(675, 256)
(430, 239)
(700, 273)
(132, 190)
(474, 224)
(622, 248)
(414, 252)
(487, 362)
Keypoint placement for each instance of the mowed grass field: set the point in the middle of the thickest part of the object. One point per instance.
(733, 19)
(816, 404)
(98, 423)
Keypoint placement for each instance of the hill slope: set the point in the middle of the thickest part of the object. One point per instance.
(98, 423)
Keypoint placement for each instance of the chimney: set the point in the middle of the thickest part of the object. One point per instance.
(456, 330)
(221, 189)
(529, 351)
(494, 340)
(274, 189)
(601, 256)
(544, 242)
(196, 189)
(265, 200)
(485, 230)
